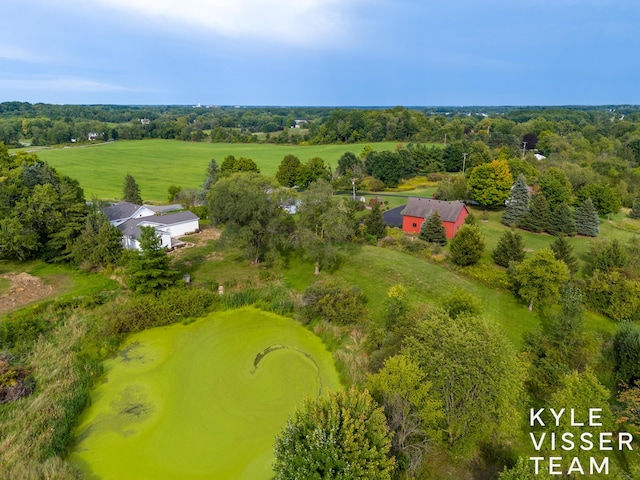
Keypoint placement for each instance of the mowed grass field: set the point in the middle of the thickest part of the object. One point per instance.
(158, 164)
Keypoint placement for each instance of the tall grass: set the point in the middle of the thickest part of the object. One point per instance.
(36, 430)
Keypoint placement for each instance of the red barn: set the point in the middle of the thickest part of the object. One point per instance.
(418, 209)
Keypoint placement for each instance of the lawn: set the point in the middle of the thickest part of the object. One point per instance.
(203, 400)
(158, 164)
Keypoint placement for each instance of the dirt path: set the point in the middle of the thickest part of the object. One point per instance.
(24, 289)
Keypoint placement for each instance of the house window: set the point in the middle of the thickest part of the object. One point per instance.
(415, 224)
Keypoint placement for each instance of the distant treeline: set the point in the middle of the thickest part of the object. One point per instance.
(46, 124)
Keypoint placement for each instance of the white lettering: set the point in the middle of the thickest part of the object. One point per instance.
(537, 446)
(553, 466)
(575, 466)
(625, 438)
(533, 417)
(536, 460)
(605, 441)
(587, 444)
(557, 415)
(567, 440)
(594, 465)
(593, 417)
(573, 420)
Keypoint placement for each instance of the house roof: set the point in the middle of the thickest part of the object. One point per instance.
(164, 208)
(423, 207)
(120, 210)
(132, 226)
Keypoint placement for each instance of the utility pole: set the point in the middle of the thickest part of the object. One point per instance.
(353, 184)
(445, 139)
(464, 161)
(524, 148)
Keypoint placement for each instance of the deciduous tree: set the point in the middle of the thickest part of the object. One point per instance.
(342, 436)
(322, 223)
(473, 371)
(490, 183)
(413, 412)
(540, 278)
(289, 171)
(248, 205)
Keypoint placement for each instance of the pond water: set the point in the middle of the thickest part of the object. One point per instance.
(203, 400)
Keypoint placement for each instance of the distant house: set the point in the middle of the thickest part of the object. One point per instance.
(129, 217)
(418, 209)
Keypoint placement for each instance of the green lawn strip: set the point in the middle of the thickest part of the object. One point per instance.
(4, 286)
(158, 164)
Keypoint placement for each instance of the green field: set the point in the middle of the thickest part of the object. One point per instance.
(158, 164)
(203, 400)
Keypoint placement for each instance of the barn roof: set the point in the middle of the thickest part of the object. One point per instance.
(423, 207)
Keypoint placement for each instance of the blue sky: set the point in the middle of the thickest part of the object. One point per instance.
(321, 52)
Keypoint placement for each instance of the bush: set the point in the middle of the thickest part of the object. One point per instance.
(467, 246)
(489, 275)
(334, 303)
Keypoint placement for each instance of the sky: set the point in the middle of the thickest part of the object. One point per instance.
(321, 52)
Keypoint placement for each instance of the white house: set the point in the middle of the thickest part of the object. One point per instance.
(129, 217)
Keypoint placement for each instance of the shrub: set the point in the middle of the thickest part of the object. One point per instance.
(333, 302)
(467, 246)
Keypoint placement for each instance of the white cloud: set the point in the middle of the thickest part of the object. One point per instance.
(59, 83)
(294, 22)
(13, 53)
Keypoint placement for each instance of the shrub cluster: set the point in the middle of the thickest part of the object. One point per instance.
(333, 302)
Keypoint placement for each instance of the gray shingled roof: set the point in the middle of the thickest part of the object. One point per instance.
(120, 210)
(423, 207)
(132, 226)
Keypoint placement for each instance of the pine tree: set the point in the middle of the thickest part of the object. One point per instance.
(563, 250)
(517, 206)
(131, 191)
(471, 219)
(562, 221)
(587, 220)
(510, 248)
(149, 270)
(374, 222)
(538, 217)
(467, 246)
(432, 230)
(635, 210)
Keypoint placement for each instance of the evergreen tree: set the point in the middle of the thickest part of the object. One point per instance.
(374, 222)
(587, 220)
(432, 230)
(538, 217)
(563, 251)
(471, 219)
(517, 205)
(635, 210)
(467, 246)
(510, 248)
(149, 270)
(131, 191)
(562, 221)
(213, 170)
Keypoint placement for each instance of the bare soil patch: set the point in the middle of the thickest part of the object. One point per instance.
(24, 289)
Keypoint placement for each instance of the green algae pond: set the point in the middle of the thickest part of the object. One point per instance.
(203, 400)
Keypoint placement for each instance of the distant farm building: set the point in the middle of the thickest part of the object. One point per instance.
(418, 209)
